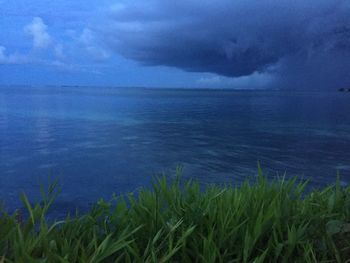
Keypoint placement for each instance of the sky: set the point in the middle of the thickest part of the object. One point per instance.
(283, 44)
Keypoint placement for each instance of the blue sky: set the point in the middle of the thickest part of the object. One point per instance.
(184, 43)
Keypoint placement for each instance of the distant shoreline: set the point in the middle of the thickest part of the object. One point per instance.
(173, 88)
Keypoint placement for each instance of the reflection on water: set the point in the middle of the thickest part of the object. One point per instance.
(103, 140)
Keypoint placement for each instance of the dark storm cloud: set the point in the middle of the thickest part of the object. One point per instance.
(301, 43)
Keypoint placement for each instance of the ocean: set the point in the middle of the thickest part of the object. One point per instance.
(98, 141)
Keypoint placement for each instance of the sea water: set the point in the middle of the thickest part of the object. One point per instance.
(99, 141)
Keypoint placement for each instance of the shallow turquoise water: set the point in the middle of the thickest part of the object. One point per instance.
(105, 140)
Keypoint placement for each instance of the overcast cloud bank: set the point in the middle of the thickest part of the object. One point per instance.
(301, 44)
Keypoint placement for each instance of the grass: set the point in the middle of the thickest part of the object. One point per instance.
(176, 221)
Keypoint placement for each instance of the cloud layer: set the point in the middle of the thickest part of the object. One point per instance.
(38, 30)
(302, 44)
(45, 50)
(225, 43)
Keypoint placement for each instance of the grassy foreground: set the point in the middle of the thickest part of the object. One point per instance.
(261, 221)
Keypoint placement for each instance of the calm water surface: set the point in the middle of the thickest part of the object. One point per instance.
(105, 140)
